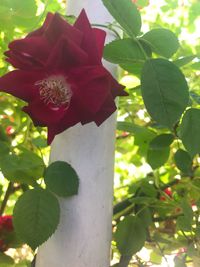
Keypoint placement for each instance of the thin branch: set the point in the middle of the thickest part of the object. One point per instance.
(167, 218)
(124, 261)
(119, 207)
(163, 255)
(9, 191)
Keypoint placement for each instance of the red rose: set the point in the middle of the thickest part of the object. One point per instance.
(60, 75)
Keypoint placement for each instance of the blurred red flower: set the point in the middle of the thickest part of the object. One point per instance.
(6, 228)
(167, 191)
(60, 75)
(9, 130)
(6, 223)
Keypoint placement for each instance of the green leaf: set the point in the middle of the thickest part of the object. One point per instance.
(26, 167)
(130, 235)
(143, 131)
(134, 68)
(142, 135)
(24, 264)
(126, 14)
(146, 47)
(183, 61)
(164, 90)
(158, 152)
(36, 216)
(40, 142)
(162, 141)
(62, 179)
(143, 200)
(124, 51)
(183, 223)
(183, 161)
(4, 149)
(189, 131)
(145, 215)
(147, 189)
(157, 157)
(187, 210)
(162, 41)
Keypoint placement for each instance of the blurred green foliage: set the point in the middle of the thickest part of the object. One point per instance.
(158, 184)
(153, 174)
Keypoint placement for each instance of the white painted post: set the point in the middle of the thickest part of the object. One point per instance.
(84, 234)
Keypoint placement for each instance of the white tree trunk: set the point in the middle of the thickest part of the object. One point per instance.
(84, 234)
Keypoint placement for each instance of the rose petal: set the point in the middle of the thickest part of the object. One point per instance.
(69, 119)
(22, 62)
(107, 110)
(90, 39)
(92, 86)
(66, 54)
(58, 27)
(42, 114)
(116, 88)
(29, 52)
(20, 83)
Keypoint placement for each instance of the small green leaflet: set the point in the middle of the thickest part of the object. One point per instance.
(190, 131)
(130, 235)
(183, 161)
(36, 216)
(184, 222)
(183, 61)
(164, 90)
(158, 152)
(162, 41)
(134, 68)
(145, 215)
(142, 134)
(123, 51)
(162, 141)
(26, 167)
(157, 157)
(126, 14)
(61, 179)
(134, 129)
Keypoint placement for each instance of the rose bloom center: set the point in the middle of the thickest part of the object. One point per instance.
(54, 90)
